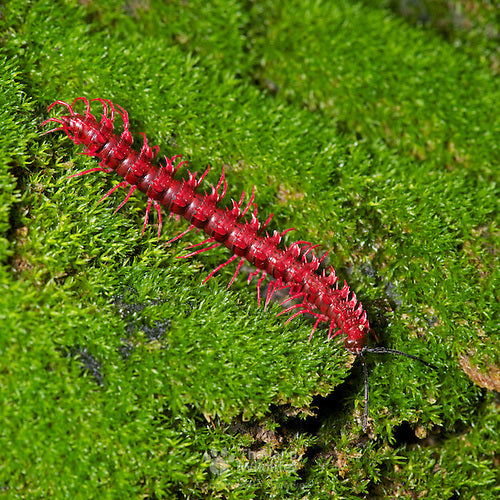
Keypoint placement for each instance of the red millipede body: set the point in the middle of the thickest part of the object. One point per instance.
(294, 267)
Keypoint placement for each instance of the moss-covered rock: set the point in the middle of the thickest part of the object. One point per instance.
(121, 375)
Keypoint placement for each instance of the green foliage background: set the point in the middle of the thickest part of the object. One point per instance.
(122, 376)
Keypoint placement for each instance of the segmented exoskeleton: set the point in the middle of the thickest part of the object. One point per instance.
(319, 294)
(294, 267)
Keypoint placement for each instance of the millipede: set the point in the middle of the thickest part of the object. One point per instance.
(295, 267)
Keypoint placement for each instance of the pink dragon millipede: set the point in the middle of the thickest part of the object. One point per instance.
(294, 268)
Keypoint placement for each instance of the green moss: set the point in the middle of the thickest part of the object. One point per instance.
(123, 376)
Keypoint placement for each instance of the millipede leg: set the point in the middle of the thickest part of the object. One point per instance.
(179, 236)
(132, 189)
(112, 190)
(218, 268)
(62, 103)
(240, 263)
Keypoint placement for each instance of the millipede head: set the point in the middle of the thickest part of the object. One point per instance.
(355, 345)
